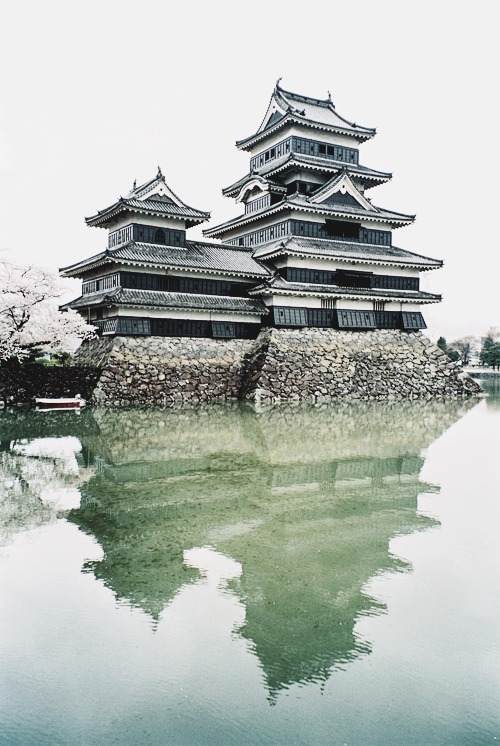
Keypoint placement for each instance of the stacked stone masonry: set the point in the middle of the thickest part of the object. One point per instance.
(312, 365)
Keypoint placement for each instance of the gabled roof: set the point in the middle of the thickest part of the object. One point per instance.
(339, 184)
(302, 203)
(369, 176)
(286, 107)
(163, 299)
(277, 285)
(154, 197)
(197, 255)
(262, 184)
(354, 253)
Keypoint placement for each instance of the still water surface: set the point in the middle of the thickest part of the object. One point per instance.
(222, 576)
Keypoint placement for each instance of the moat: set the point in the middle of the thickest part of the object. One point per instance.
(227, 575)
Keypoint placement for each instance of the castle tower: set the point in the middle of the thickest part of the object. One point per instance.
(152, 281)
(308, 218)
(303, 297)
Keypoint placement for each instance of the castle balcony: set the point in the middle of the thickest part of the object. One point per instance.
(256, 205)
(262, 203)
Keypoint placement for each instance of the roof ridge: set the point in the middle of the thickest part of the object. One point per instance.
(327, 103)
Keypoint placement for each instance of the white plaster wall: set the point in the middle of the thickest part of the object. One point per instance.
(362, 304)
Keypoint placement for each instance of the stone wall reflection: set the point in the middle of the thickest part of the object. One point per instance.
(305, 499)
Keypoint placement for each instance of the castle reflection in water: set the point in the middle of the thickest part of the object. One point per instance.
(305, 499)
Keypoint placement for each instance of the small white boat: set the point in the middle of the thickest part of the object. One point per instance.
(74, 402)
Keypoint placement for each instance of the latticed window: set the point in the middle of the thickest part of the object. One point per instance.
(290, 316)
(90, 287)
(356, 319)
(223, 330)
(319, 317)
(159, 236)
(413, 320)
(110, 281)
(388, 319)
(133, 326)
(328, 302)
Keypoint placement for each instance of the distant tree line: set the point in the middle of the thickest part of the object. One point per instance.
(490, 351)
(461, 350)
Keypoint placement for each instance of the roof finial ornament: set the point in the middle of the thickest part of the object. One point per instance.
(329, 96)
(135, 184)
(159, 175)
(278, 82)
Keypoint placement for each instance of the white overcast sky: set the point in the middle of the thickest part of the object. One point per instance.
(97, 94)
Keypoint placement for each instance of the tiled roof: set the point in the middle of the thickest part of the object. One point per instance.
(311, 160)
(318, 110)
(326, 164)
(302, 203)
(166, 207)
(293, 107)
(342, 250)
(160, 299)
(151, 206)
(369, 175)
(72, 269)
(197, 255)
(277, 283)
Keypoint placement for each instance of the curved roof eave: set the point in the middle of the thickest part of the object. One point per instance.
(204, 270)
(406, 261)
(369, 176)
(346, 293)
(396, 220)
(191, 216)
(93, 261)
(128, 298)
(219, 266)
(316, 164)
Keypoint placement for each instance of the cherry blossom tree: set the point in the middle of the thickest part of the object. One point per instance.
(30, 318)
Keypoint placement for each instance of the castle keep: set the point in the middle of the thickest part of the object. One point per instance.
(310, 261)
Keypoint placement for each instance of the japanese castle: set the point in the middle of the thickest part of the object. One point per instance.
(309, 250)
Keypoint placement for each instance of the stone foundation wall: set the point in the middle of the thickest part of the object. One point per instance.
(324, 364)
(162, 370)
(280, 365)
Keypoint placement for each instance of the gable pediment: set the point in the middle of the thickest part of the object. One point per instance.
(341, 190)
(275, 112)
(156, 189)
(253, 188)
(161, 192)
(274, 117)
